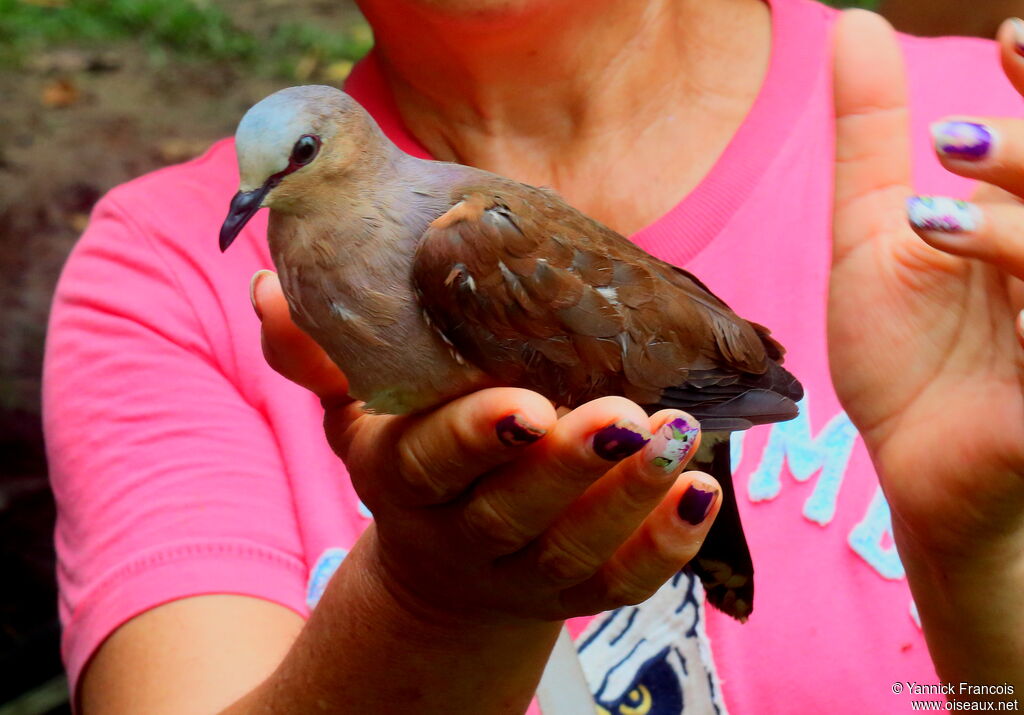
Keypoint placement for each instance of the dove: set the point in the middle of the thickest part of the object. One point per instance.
(425, 280)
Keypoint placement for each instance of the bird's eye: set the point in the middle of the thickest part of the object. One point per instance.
(305, 149)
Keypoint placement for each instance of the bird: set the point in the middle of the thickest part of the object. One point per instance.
(426, 280)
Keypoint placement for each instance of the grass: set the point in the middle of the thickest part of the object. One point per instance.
(191, 29)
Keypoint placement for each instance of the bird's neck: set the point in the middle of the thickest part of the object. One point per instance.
(377, 208)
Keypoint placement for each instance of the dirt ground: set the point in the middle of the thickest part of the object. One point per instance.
(76, 120)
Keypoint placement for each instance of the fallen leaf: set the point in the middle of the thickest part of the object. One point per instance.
(60, 93)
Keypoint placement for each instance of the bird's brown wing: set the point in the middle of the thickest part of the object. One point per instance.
(540, 296)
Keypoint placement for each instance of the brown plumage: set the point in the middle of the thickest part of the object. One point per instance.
(426, 280)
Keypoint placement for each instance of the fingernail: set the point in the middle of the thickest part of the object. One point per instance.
(962, 140)
(514, 431)
(619, 440)
(672, 443)
(696, 502)
(253, 285)
(938, 213)
(1018, 35)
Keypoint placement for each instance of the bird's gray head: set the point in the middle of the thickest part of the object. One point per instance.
(292, 135)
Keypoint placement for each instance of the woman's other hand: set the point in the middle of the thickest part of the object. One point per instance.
(924, 334)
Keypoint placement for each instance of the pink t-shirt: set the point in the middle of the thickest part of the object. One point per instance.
(183, 465)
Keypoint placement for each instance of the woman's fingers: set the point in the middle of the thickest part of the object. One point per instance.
(1011, 47)
(441, 454)
(594, 527)
(666, 541)
(987, 149)
(518, 502)
(289, 350)
(990, 232)
(872, 141)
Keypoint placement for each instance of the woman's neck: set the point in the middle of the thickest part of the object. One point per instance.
(549, 92)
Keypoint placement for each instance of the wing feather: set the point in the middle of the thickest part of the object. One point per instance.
(542, 297)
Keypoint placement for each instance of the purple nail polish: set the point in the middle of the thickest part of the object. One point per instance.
(695, 504)
(619, 440)
(962, 140)
(514, 431)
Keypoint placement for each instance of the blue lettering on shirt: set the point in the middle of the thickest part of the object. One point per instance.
(829, 452)
(792, 441)
(866, 539)
(321, 573)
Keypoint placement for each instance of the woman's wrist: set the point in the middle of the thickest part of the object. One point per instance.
(383, 593)
(969, 607)
(367, 648)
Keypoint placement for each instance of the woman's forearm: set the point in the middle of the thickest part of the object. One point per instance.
(363, 651)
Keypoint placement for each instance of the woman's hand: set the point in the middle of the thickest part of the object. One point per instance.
(490, 508)
(924, 333)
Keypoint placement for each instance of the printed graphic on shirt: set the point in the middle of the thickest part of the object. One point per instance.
(320, 574)
(825, 455)
(653, 658)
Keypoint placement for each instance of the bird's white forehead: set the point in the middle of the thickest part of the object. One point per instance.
(266, 135)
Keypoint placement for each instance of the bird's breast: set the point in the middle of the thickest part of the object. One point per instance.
(356, 299)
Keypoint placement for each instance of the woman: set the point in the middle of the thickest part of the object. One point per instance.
(202, 515)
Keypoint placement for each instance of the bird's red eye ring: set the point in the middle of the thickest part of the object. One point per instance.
(305, 149)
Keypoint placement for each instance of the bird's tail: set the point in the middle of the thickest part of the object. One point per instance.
(723, 562)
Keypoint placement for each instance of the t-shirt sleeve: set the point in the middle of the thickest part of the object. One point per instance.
(169, 483)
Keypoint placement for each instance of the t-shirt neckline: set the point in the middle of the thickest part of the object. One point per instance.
(690, 225)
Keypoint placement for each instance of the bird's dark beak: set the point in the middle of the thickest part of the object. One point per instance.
(243, 206)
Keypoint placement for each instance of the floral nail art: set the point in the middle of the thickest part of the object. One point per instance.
(672, 443)
(962, 140)
(938, 213)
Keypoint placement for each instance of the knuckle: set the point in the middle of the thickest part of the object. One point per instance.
(574, 464)
(341, 427)
(272, 354)
(419, 473)
(671, 548)
(563, 562)
(627, 589)
(641, 490)
(572, 471)
(489, 524)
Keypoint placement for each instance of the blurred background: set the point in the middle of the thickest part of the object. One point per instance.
(95, 92)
